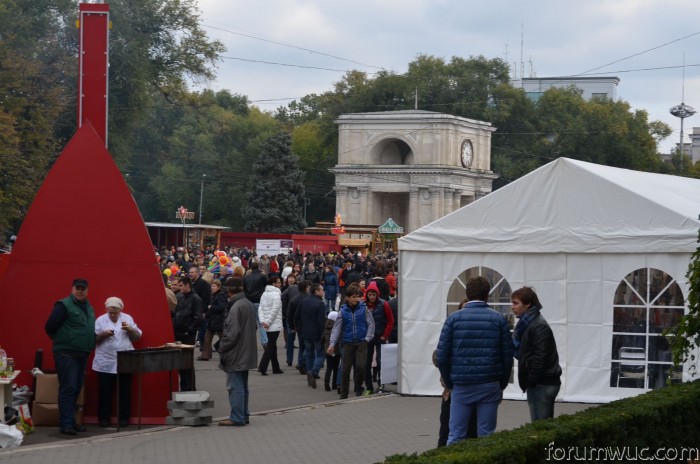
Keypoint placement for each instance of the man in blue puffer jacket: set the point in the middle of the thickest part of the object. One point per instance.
(353, 328)
(475, 358)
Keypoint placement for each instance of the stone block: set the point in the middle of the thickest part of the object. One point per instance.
(191, 396)
(189, 413)
(190, 405)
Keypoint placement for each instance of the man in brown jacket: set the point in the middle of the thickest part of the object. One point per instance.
(238, 350)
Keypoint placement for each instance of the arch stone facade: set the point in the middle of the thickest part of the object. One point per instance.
(413, 166)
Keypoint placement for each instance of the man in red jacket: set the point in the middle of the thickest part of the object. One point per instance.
(383, 323)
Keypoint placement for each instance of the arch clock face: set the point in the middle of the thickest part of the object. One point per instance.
(467, 154)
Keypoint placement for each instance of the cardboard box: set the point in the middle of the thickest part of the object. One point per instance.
(46, 415)
(47, 390)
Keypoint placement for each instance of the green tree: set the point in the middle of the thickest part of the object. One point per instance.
(562, 123)
(156, 47)
(214, 138)
(34, 62)
(315, 156)
(275, 199)
(685, 336)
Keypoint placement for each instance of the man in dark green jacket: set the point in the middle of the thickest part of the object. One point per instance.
(71, 326)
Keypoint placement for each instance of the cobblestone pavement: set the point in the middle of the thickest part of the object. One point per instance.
(290, 423)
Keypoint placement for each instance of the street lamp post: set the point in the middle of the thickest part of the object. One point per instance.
(307, 202)
(201, 196)
(182, 214)
(682, 111)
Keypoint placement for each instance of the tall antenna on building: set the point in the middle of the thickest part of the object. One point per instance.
(682, 111)
(522, 39)
(683, 80)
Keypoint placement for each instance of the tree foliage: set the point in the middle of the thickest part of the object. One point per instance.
(275, 200)
(685, 336)
(562, 123)
(205, 148)
(315, 156)
(33, 100)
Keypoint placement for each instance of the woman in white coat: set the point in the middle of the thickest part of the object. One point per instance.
(270, 313)
(114, 331)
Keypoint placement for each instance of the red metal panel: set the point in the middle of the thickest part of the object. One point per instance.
(310, 243)
(84, 223)
(4, 262)
(93, 66)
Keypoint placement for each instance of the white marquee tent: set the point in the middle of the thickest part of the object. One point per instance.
(606, 249)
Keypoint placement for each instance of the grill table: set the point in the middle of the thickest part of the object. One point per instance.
(160, 359)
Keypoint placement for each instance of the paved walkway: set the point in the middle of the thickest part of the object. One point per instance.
(291, 423)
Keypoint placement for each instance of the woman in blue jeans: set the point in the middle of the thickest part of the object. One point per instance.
(535, 349)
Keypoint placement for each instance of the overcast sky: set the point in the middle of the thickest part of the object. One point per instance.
(630, 39)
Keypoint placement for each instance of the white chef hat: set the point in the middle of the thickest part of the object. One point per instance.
(114, 302)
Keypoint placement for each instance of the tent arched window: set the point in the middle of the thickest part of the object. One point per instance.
(647, 301)
(499, 298)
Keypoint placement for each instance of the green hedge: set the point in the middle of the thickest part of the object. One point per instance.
(664, 418)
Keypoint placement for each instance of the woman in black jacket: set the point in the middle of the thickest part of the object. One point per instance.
(536, 351)
(215, 316)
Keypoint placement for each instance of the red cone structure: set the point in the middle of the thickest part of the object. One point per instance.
(85, 223)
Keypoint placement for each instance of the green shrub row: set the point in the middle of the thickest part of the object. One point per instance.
(661, 421)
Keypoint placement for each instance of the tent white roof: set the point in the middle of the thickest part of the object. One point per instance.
(572, 206)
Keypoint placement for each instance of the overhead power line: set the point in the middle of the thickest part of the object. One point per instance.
(641, 53)
(285, 64)
(658, 68)
(316, 52)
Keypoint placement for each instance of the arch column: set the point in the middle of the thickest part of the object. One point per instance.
(436, 198)
(449, 201)
(364, 204)
(341, 201)
(456, 199)
(413, 208)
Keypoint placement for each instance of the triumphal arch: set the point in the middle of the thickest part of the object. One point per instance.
(412, 166)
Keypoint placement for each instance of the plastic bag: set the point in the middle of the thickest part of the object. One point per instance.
(21, 395)
(10, 436)
(25, 419)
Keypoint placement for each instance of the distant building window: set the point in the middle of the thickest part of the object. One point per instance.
(534, 96)
(647, 301)
(599, 95)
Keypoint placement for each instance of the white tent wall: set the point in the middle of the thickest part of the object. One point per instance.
(573, 231)
(576, 291)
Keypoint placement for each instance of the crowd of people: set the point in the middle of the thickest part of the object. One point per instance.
(339, 310)
(336, 310)
(312, 300)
